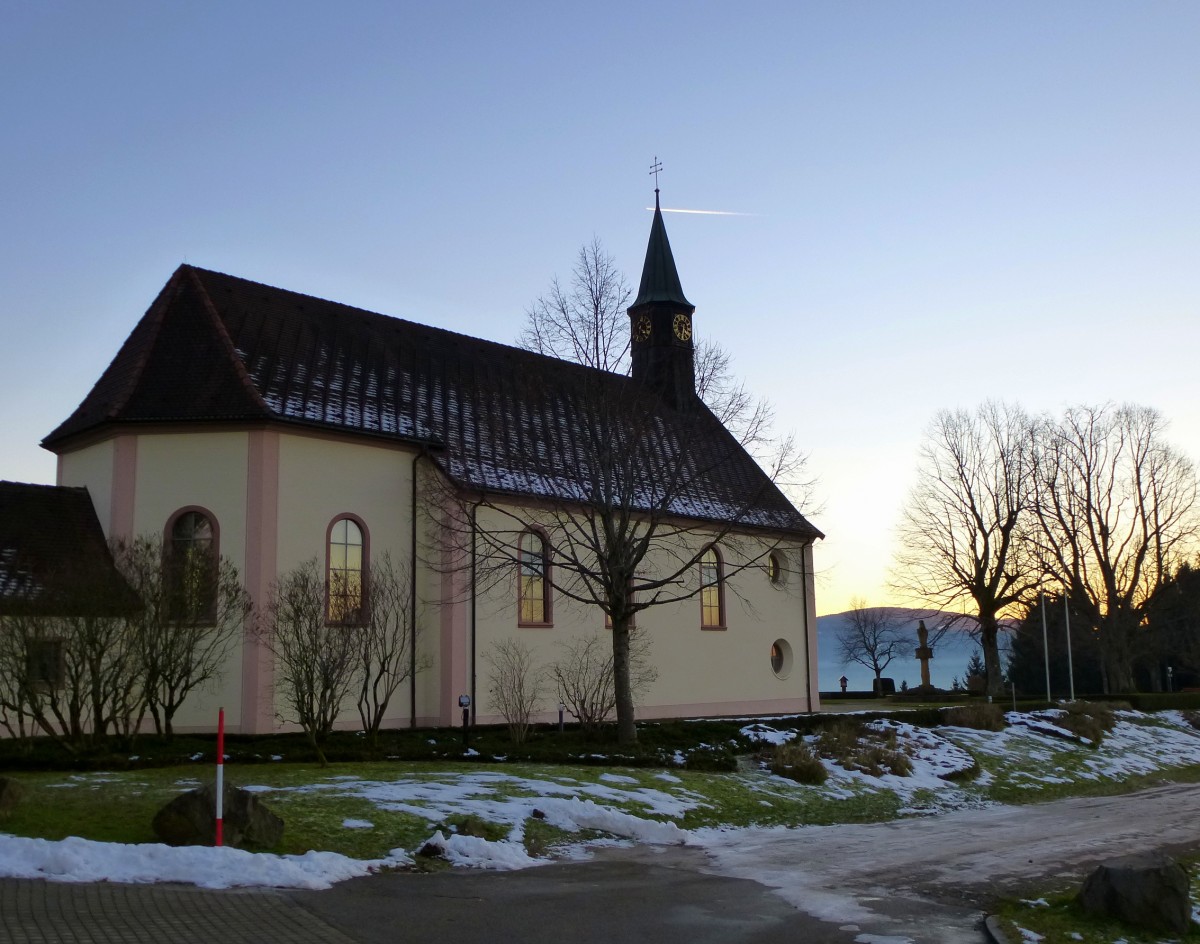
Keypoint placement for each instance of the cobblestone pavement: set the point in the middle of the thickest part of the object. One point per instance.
(39, 912)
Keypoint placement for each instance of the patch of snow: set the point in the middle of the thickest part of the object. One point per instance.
(479, 853)
(81, 860)
(357, 824)
(765, 734)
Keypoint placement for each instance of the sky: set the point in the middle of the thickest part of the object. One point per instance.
(941, 202)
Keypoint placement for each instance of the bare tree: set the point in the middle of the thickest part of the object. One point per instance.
(586, 322)
(1116, 516)
(583, 675)
(873, 637)
(30, 661)
(961, 533)
(385, 643)
(316, 663)
(516, 685)
(75, 677)
(182, 640)
(629, 514)
(632, 502)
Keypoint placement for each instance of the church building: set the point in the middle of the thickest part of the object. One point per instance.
(277, 428)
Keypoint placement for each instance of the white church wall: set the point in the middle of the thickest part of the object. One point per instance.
(91, 467)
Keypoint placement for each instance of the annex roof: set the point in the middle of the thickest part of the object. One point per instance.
(54, 560)
(214, 348)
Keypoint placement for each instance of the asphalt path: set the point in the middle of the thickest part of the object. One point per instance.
(924, 880)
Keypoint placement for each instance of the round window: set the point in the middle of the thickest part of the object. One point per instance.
(781, 658)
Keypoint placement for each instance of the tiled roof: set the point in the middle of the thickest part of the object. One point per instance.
(53, 556)
(217, 348)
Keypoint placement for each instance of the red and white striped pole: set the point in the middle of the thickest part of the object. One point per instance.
(220, 776)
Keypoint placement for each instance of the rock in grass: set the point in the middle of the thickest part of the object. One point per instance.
(190, 819)
(11, 793)
(1149, 890)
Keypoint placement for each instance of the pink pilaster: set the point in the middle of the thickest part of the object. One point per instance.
(262, 551)
(455, 655)
(123, 496)
(810, 625)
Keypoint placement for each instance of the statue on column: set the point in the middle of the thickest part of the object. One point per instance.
(924, 654)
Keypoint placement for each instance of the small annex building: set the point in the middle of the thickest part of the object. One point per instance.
(281, 428)
(54, 562)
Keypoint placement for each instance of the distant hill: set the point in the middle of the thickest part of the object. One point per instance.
(950, 655)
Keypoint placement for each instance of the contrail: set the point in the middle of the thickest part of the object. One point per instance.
(705, 212)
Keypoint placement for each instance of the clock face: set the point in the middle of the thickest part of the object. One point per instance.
(641, 329)
(683, 327)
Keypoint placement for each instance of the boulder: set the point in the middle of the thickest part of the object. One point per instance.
(190, 819)
(1149, 890)
(10, 795)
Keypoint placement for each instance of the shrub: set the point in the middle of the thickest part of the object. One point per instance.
(796, 761)
(709, 758)
(981, 717)
(1088, 720)
(840, 739)
(854, 746)
(516, 685)
(878, 760)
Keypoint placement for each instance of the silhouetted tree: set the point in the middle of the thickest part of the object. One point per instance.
(1173, 626)
(1116, 514)
(961, 546)
(873, 637)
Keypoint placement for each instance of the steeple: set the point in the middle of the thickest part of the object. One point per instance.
(660, 322)
(660, 278)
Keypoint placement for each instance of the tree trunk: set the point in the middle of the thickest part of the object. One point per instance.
(626, 729)
(988, 633)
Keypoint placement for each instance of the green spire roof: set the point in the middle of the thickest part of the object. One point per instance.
(660, 279)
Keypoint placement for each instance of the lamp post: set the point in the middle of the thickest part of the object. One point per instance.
(1046, 645)
(1070, 663)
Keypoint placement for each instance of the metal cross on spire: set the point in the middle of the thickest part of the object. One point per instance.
(654, 169)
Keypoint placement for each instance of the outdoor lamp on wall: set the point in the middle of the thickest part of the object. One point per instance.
(464, 702)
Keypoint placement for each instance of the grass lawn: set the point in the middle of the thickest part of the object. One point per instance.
(367, 809)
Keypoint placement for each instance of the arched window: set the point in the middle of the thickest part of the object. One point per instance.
(533, 591)
(192, 567)
(346, 577)
(712, 591)
(775, 569)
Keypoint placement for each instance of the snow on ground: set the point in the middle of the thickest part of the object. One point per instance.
(81, 860)
(619, 806)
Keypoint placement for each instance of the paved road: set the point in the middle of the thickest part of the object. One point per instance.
(924, 880)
